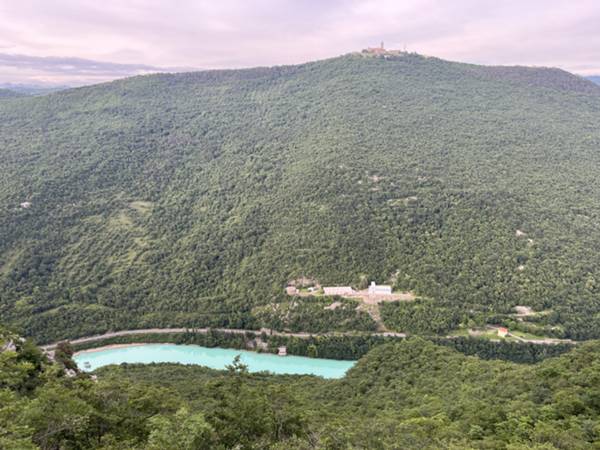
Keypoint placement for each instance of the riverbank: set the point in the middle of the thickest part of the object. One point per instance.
(107, 347)
(264, 332)
(341, 346)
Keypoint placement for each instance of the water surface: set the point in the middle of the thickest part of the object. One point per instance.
(215, 358)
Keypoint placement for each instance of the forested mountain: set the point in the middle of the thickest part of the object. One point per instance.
(412, 395)
(191, 199)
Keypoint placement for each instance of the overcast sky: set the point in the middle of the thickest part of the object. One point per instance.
(62, 41)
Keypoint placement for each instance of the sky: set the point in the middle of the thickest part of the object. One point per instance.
(78, 42)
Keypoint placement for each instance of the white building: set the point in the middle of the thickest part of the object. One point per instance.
(25, 205)
(338, 290)
(282, 351)
(379, 290)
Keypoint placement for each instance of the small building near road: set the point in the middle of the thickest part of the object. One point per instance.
(338, 290)
(282, 351)
(379, 290)
(502, 331)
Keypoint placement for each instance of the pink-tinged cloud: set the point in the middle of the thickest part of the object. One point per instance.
(241, 33)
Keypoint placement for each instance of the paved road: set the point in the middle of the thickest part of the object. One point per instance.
(101, 337)
(270, 332)
(544, 341)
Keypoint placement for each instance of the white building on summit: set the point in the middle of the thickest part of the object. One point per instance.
(379, 290)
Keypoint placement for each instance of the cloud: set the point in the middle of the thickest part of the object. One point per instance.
(241, 33)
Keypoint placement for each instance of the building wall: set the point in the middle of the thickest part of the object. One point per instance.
(338, 290)
(380, 290)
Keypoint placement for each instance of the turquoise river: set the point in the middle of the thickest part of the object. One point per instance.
(215, 358)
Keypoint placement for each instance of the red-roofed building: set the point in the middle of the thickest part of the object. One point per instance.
(376, 50)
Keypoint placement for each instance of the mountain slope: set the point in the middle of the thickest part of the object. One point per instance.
(190, 199)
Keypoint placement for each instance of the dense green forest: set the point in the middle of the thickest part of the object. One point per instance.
(408, 394)
(191, 199)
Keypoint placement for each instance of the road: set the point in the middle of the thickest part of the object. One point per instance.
(543, 341)
(301, 335)
(101, 337)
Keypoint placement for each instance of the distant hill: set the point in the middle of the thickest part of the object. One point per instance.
(191, 199)
(6, 93)
(594, 79)
(31, 89)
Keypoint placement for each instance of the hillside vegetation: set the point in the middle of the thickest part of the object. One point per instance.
(191, 199)
(412, 395)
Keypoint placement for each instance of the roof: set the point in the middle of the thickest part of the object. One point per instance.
(338, 290)
(382, 288)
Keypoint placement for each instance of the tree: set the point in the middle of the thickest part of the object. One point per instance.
(13, 433)
(183, 431)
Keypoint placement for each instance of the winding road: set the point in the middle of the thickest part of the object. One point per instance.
(301, 335)
(101, 337)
